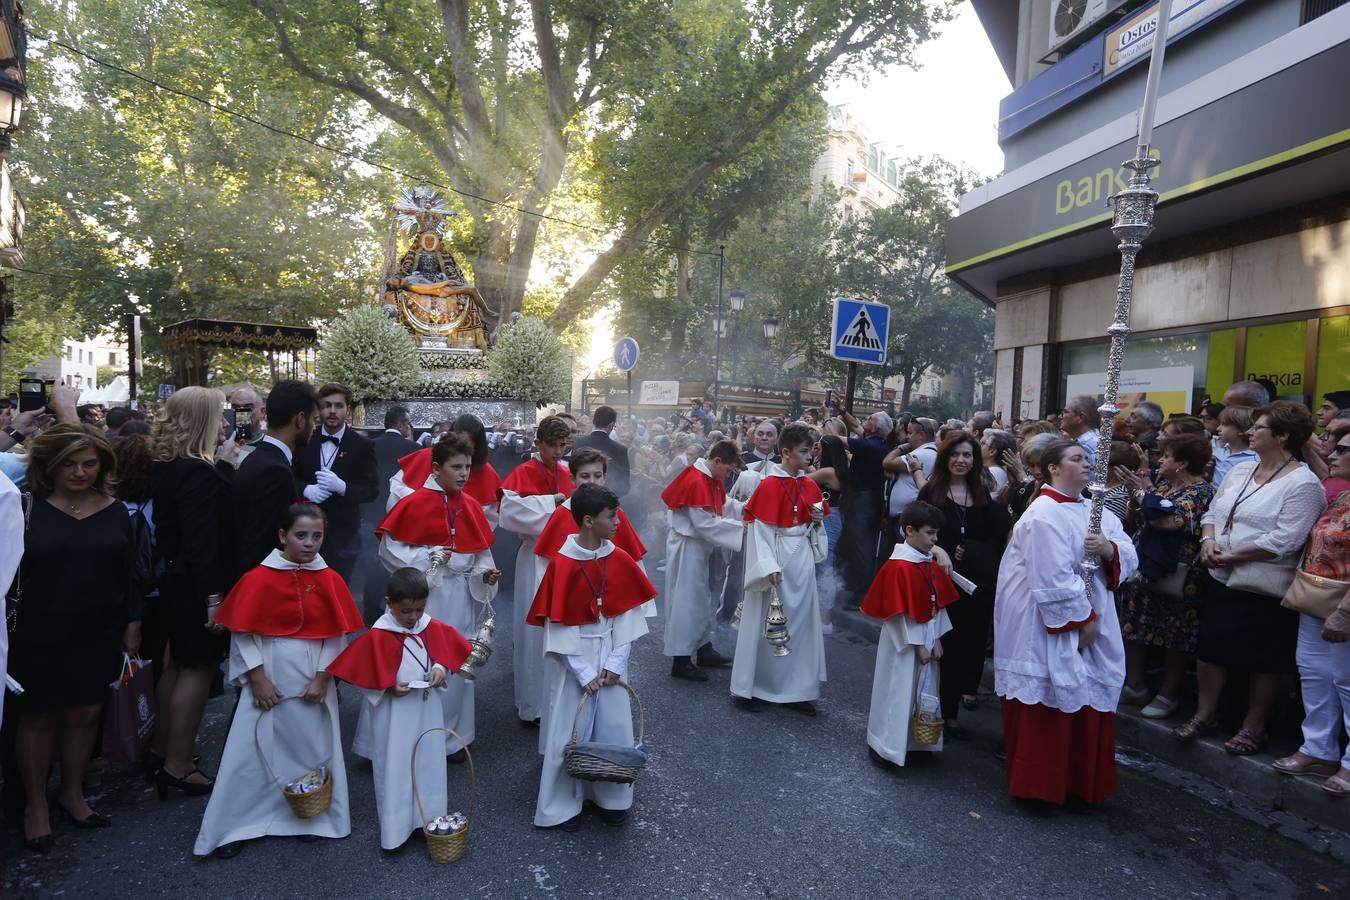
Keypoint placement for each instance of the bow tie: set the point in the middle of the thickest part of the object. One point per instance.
(331, 438)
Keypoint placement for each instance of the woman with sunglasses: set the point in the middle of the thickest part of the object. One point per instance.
(1324, 644)
(1250, 541)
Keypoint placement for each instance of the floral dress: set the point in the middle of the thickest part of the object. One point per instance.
(1159, 620)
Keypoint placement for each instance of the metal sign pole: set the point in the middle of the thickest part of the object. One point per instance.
(1131, 223)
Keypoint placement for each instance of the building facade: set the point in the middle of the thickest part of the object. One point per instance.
(79, 361)
(866, 174)
(1247, 273)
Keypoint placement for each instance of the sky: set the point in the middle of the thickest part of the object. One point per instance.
(949, 106)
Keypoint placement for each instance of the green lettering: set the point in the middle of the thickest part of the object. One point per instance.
(1105, 179)
(1063, 198)
(1084, 197)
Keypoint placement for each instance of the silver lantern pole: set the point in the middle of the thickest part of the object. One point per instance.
(1131, 224)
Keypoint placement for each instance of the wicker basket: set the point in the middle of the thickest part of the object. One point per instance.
(445, 848)
(305, 806)
(587, 766)
(925, 731)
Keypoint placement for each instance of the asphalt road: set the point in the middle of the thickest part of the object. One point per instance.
(733, 804)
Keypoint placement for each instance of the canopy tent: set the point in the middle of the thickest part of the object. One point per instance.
(116, 391)
(187, 342)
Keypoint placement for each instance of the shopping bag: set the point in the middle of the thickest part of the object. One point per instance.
(131, 713)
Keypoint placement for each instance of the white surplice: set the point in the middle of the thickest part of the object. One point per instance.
(295, 736)
(398, 489)
(457, 592)
(1040, 586)
(11, 551)
(527, 516)
(794, 552)
(691, 607)
(897, 674)
(396, 723)
(575, 655)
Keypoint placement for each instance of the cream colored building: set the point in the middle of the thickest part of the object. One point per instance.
(864, 171)
(79, 361)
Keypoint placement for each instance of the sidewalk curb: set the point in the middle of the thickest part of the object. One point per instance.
(1250, 776)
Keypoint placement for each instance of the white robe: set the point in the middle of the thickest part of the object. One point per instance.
(691, 605)
(794, 552)
(1040, 586)
(11, 551)
(576, 655)
(527, 516)
(458, 585)
(396, 723)
(897, 673)
(296, 737)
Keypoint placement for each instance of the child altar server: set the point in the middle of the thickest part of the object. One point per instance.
(530, 495)
(695, 501)
(289, 618)
(784, 541)
(440, 530)
(484, 484)
(405, 659)
(909, 595)
(589, 609)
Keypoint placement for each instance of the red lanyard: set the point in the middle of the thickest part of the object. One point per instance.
(451, 515)
(602, 565)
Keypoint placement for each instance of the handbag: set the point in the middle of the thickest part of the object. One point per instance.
(130, 714)
(1314, 595)
(1268, 578)
(1173, 584)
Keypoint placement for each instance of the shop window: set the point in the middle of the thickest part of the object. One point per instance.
(1333, 357)
(1171, 371)
(1222, 362)
(1277, 353)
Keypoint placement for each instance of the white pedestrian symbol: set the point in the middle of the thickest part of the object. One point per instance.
(625, 354)
(861, 333)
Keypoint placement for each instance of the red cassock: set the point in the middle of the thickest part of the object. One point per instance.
(533, 477)
(784, 502)
(908, 588)
(372, 660)
(567, 593)
(484, 484)
(1052, 754)
(431, 518)
(561, 526)
(297, 603)
(692, 488)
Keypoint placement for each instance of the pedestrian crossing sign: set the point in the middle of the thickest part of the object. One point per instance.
(860, 331)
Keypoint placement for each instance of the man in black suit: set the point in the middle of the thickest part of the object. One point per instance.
(391, 446)
(617, 478)
(337, 471)
(265, 485)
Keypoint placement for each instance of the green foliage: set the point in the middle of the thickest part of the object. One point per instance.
(463, 390)
(433, 360)
(530, 362)
(32, 337)
(371, 354)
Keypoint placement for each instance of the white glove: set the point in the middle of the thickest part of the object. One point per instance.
(315, 493)
(331, 483)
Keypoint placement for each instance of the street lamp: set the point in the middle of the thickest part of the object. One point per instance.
(770, 327)
(720, 324)
(737, 297)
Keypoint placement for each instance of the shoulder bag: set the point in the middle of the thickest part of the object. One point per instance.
(1314, 595)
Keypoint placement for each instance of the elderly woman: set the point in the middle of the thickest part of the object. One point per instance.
(994, 444)
(1323, 652)
(1024, 471)
(192, 514)
(1163, 610)
(80, 610)
(1250, 541)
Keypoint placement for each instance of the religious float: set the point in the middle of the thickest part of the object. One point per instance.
(453, 363)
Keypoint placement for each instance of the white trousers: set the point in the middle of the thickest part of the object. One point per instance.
(1324, 674)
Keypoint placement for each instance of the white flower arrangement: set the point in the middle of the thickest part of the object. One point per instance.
(371, 354)
(433, 360)
(530, 362)
(462, 390)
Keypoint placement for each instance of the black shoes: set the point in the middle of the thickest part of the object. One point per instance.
(711, 659)
(749, 704)
(41, 845)
(163, 781)
(880, 761)
(570, 825)
(457, 757)
(681, 667)
(228, 851)
(805, 707)
(613, 817)
(93, 820)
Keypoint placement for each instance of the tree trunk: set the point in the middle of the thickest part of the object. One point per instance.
(679, 325)
(908, 377)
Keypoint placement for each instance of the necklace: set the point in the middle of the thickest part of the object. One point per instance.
(961, 509)
(602, 564)
(1243, 496)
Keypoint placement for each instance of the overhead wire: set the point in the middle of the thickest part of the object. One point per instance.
(347, 154)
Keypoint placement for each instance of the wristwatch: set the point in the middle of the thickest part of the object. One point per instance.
(15, 434)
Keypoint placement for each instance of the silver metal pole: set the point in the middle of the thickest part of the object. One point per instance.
(1132, 222)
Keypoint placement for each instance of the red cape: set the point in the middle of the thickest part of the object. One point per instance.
(484, 483)
(561, 526)
(423, 518)
(902, 588)
(372, 660)
(566, 597)
(299, 603)
(532, 477)
(693, 488)
(772, 501)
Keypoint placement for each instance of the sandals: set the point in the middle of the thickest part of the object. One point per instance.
(1193, 729)
(1302, 764)
(1337, 786)
(1246, 742)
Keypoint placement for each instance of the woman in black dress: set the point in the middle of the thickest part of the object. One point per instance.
(79, 612)
(975, 533)
(192, 510)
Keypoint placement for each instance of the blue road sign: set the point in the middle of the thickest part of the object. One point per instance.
(860, 331)
(626, 354)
